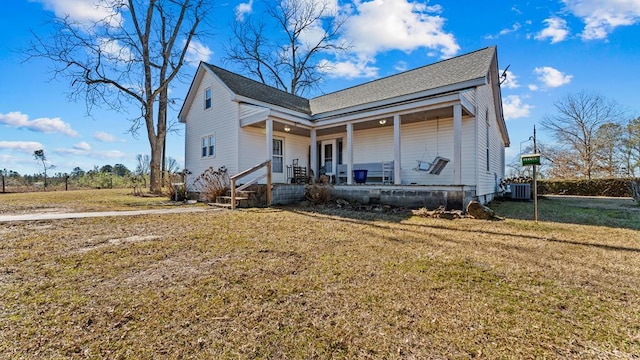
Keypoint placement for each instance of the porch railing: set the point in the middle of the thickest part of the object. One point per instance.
(249, 171)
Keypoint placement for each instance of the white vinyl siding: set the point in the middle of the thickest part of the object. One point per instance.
(372, 145)
(490, 144)
(223, 122)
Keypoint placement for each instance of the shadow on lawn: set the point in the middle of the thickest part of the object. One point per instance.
(375, 219)
(621, 213)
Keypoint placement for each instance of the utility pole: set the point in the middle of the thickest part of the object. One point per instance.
(535, 178)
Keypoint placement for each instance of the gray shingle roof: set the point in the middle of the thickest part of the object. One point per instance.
(457, 70)
(452, 71)
(252, 89)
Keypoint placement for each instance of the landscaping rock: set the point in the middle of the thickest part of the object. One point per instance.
(440, 213)
(479, 211)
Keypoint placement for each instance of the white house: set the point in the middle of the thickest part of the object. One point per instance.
(397, 127)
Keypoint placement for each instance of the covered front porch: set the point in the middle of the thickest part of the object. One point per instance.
(399, 135)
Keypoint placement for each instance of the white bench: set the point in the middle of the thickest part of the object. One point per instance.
(381, 172)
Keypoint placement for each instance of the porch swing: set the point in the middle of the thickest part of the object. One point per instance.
(436, 166)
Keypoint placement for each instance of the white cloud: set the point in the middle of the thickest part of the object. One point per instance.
(511, 81)
(243, 9)
(533, 87)
(513, 28)
(197, 52)
(556, 30)
(81, 148)
(381, 25)
(551, 77)
(84, 146)
(85, 150)
(104, 136)
(513, 107)
(401, 66)
(348, 69)
(86, 12)
(601, 17)
(44, 125)
(110, 154)
(22, 146)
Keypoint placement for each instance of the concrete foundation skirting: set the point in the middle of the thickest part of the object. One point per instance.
(284, 194)
(431, 197)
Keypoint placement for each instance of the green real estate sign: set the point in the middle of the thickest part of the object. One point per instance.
(530, 159)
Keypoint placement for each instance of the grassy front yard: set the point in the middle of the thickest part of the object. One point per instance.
(297, 283)
(77, 201)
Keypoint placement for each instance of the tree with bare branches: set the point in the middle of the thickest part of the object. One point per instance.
(42, 158)
(575, 128)
(291, 61)
(631, 147)
(129, 56)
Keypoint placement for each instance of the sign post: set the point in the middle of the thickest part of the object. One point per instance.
(533, 160)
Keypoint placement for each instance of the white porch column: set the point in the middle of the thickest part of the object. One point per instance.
(457, 144)
(313, 153)
(349, 153)
(269, 138)
(396, 150)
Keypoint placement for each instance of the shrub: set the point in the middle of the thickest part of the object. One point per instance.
(212, 183)
(177, 192)
(318, 194)
(618, 187)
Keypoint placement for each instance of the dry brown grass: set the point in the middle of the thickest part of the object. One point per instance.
(77, 201)
(299, 284)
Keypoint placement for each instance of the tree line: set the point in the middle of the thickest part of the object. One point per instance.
(105, 176)
(591, 137)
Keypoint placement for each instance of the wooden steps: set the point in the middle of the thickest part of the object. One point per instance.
(224, 201)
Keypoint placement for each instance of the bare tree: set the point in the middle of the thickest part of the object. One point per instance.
(609, 149)
(631, 147)
(40, 156)
(171, 165)
(143, 164)
(290, 59)
(574, 127)
(130, 56)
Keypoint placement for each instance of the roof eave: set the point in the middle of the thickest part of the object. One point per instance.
(182, 116)
(398, 99)
(244, 99)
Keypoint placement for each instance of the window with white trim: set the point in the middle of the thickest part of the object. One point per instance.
(208, 146)
(207, 98)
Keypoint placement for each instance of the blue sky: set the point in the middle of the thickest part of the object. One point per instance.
(553, 48)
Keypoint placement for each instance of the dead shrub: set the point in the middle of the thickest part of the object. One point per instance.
(212, 183)
(318, 194)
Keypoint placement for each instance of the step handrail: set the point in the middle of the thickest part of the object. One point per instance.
(244, 173)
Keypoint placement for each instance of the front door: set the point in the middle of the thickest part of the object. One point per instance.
(277, 161)
(328, 159)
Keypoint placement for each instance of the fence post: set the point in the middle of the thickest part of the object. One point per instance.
(3, 183)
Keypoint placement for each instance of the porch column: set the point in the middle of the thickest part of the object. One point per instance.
(349, 153)
(457, 144)
(313, 153)
(269, 138)
(396, 150)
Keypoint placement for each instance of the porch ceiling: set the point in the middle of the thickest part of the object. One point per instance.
(442, 113)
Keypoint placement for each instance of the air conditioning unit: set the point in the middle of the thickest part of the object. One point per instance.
(521, 191)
